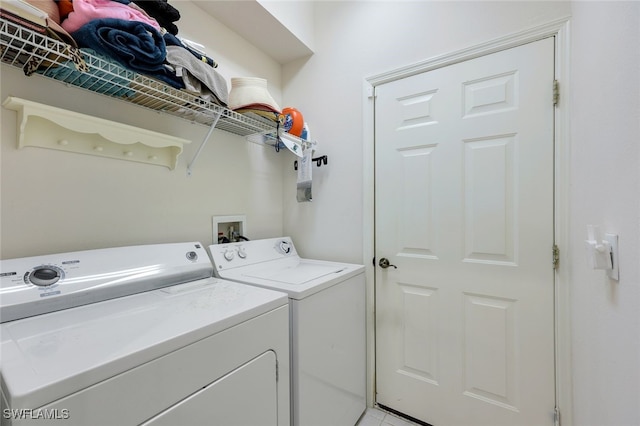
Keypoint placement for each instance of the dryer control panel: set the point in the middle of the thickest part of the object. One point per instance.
(246, 253)
(40, 284)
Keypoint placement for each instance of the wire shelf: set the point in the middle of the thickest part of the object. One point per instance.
(27, 49)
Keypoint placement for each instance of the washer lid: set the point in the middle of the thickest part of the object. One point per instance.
(49, 356)
(299, 278)
(298, 274)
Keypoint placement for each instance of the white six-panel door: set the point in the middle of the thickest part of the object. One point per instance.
(464, 210)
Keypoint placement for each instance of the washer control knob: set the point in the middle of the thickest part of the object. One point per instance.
(284, 247)
(229, 254)
(45, 275)
(242, 253)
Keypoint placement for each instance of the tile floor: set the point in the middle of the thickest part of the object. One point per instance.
(377, 417)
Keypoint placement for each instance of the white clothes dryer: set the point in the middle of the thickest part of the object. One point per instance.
(139, 335)
(327, 314)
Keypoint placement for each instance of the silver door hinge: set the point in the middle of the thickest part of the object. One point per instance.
(556, 256)
(371, 92)
(556, 92)
(556, 417)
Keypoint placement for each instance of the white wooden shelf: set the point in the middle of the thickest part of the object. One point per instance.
(45, 126)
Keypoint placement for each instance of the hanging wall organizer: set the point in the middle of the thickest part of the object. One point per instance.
(323, 159)
(45, 126)
(282, 140)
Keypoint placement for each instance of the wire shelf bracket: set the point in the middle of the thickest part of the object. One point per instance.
(203, 143)
(282, 140)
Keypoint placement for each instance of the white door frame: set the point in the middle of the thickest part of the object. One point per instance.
(560, 30)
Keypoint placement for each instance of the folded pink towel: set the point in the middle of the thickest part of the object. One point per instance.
(88, 10)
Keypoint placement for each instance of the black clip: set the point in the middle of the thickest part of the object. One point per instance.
(319, 161)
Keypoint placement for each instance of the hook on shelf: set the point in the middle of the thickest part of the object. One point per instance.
(319, 161)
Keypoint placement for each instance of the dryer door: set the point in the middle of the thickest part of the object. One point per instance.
(245, 396)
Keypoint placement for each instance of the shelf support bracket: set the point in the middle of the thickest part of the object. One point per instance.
(203, 143)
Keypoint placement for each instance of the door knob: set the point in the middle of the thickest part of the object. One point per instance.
(384, 263)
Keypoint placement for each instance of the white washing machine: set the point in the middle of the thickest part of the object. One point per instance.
(139, 335)
(327, 304)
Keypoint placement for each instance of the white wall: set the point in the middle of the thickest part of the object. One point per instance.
(53, 201)
(297, 16)
(605, 174)
(358, 39)
(355, 40)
